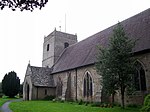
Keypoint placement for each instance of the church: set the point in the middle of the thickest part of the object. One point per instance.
(68, 67)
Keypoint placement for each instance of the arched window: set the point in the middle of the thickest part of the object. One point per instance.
(66, 45)
(47, 47)
(87, 85)
(139, 77)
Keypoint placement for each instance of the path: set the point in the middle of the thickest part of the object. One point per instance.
(5, 106)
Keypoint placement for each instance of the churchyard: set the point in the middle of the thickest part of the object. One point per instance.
(50, 106)
(3, 100)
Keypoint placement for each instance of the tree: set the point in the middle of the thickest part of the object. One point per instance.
(116, 63)
(22, 4)
(0, 87)
(103, 68)
(21, 90)
(1, 94)
(11, 84)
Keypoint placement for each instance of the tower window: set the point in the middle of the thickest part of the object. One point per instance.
(47, 47)
(66, 45)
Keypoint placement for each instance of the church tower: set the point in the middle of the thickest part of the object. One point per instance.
(53, 46)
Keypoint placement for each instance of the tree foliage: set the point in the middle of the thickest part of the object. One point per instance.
(146, 106)
(0, 87)
(103, 68)
(22, 4)
(21, 90)
(116, 64)
(11, 84)
(1, 94)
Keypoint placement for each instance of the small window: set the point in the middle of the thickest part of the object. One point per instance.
(66, 45)
(45, 91)
(47, 47)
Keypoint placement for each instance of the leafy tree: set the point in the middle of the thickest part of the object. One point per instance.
(11, 84)
(116, 63)
(22, 4)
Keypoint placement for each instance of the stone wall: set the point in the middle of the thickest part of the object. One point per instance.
(42, 92)
(27, 89)
(138, 96)
(144, 59)
(48, 56)
(27, 86)
(96, 83)
(80, 72)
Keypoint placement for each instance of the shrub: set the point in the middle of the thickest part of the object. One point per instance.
(1, 95)
(96, 104)
(86, 103)
(147, 100)
(104, 105)
(117, 104)
(62, 101)
(70, 100)
(146, 107)
(81, 102)
(53, 100)
(133, 105)
(20, 95)
(4, 97)
(51, 97)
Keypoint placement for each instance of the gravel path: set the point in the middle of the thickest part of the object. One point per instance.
(5, 106)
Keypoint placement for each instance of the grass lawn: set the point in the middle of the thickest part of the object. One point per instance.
(47, 106)
(3, 100)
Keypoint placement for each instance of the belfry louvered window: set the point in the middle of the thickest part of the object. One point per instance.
(88, 85)
(66, 45)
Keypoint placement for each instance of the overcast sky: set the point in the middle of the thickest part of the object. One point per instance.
(22, 33)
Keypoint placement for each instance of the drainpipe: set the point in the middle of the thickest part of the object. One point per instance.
(76, 82)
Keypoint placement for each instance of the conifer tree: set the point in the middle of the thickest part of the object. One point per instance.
(116, 63)
(11, 84)
(0, 88)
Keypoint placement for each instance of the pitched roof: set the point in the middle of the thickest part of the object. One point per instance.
(84, 52)
(40, 76)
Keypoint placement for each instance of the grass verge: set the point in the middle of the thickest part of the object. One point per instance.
(3, 100)
(47, 106)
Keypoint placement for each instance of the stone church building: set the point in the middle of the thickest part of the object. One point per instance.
(68, 67)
